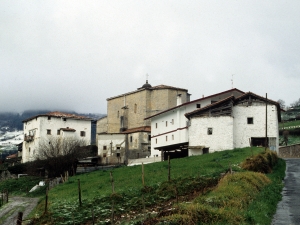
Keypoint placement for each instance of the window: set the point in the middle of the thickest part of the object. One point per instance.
(166, 123)
(149, 148)
(58, 132)
(82, 133)
(172, 121)
(29, 149)
(49, 117)
(198, 106)
(156, 125)
(155, 140)
(130, 138)
(118, 114)
(166, 138)
(172, 136)
(104, 147)
(104, 155)
(135, 108)
(48, 131)
(209, 131)
(149, 137)
(250, 120)
(64, 119)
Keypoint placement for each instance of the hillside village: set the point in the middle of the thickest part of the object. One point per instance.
(153, 123)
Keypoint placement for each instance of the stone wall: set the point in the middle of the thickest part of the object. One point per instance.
(291, 151)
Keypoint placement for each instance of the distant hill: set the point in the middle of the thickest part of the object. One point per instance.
(10, 121)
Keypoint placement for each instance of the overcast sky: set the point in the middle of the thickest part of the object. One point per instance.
(73, 55)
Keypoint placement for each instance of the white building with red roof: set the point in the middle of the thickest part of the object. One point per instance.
(53, 125)
(182, 130)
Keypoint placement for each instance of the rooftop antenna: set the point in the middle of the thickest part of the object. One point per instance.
(232, 81)
(147, 77)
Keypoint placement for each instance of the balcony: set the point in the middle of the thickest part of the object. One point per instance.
(28, 138)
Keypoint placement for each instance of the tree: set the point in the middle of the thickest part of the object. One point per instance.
(59, 155)
(281, 103)
(295, 103)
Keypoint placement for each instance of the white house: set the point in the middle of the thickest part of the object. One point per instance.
(170, 128)
(53, 125)
(234, 123)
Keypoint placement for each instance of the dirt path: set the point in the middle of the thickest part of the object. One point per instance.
(9, 211)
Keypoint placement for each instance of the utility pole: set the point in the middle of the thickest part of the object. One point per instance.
(266, 138)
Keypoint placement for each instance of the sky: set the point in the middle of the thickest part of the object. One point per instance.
(73, 55)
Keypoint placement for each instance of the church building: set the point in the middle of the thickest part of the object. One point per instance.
(124, 134)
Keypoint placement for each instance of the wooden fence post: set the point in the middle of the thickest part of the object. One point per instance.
(19, 220)
(143, 175)
(169, 169)
(113, 202)
(93, 215)
(79, 193)
(46, 201)
(112, 182)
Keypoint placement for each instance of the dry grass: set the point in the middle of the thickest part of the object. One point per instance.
(262, 163)
(224, 204)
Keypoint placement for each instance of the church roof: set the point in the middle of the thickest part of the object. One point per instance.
(149, 88)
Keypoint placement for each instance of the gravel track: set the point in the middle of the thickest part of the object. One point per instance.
(9, 211)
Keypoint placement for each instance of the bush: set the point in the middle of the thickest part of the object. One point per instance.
(18, 169)
(262, 163)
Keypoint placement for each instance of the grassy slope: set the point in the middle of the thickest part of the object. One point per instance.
(289, 123)
(63, 199)
(98, 183)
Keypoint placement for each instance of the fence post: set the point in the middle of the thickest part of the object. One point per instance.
(46, 201)
(113, 202)
(93, 215)
(79, 193)
(112, 182)
(19, 220)
(143, 176)
(169, 169)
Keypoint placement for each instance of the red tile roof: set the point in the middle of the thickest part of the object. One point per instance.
(137, 129)
(162, 86)
(191, 102)
(59, 115)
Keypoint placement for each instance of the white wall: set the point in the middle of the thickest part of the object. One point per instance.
(220, 139)
(111, 141)
(179, 130)
(244, 131)
(176, 132)
(40, 125)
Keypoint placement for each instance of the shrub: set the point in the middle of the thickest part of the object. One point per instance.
(262, 163)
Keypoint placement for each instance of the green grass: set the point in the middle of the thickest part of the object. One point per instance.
(262, 209)
(293, 139)
(21, 186)
(188, 175)
(98, 183)
(289, 123)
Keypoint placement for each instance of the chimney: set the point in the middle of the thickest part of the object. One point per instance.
(179, 100)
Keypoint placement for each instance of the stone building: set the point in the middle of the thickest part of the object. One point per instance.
(125, 117)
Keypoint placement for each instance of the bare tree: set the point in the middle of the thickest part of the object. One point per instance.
(296, 103)
(58, 155)
(281, 103)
